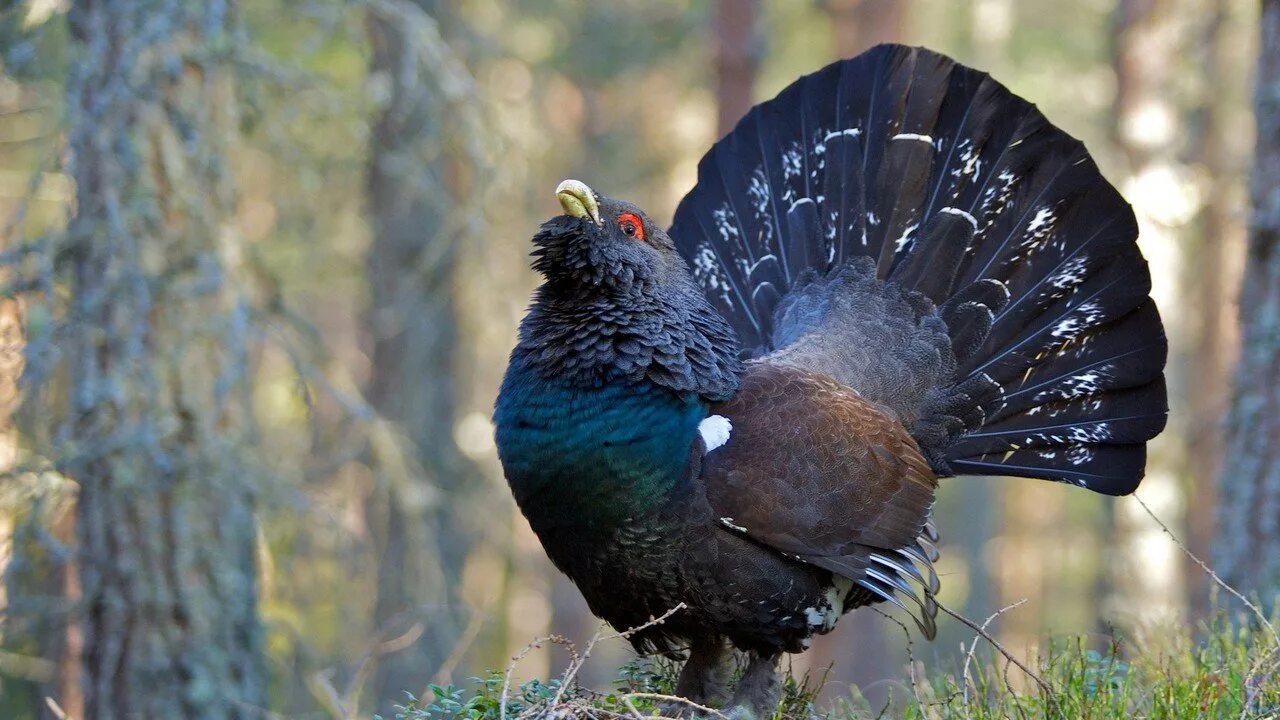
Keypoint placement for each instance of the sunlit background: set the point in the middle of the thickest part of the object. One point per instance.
(391, 552)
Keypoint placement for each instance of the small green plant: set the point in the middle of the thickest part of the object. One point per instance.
(1228, 669)
(538, 698)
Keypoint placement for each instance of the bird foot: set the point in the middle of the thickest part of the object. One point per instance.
(741, 712)
(758, 692)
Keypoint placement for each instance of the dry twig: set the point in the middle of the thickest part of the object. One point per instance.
(55, 708)
(911, 661)
(463, 644)
(1262, 618)
(628, 697)
(968, 656)
(506, 680)
(1256, 677)
(577, 660)
(996, 644)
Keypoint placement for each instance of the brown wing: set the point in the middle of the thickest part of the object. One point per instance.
(813, 470)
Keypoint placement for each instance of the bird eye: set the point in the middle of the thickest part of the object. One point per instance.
(631, 225)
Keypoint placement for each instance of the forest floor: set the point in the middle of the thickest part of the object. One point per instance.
(1228, 668)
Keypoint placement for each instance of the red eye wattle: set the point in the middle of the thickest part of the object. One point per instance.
(631, 225)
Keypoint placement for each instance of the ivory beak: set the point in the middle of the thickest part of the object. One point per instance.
(578, 200)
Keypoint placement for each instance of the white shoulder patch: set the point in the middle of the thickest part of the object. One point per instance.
(715, 431)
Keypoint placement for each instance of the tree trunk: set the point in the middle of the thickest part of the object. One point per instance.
(1214, 241)
(153, 336)
(1248, 551)
(414, 208)
(738, 49)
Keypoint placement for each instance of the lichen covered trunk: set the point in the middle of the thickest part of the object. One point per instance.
(1248, 551)
(418, 212)
(153, 428)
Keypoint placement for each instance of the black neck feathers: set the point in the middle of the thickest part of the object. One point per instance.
(661, 329)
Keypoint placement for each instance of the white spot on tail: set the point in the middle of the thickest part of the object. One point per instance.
(758, 190)
(1085, 316)
(728, 522)
(1043, 217)
(849, 132)
(913, 136)
(798, 202)
(791, 160)
(726, 223)
(1071, 273)
(903, 241)
(957, 211)
(970, 163)
(715, 431)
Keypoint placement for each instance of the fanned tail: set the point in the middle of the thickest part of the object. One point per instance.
(956, 190)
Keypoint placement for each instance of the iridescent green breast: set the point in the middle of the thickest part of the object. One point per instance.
(591, 457)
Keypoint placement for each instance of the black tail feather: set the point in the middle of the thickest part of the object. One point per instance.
(966, 194)
(934, 261)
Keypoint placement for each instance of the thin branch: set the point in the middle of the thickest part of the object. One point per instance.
(625, 634)
(911, 661)
(1257, 612)
(55, 708)
(968, 656)
(628, 697)
(996, 644)
(515, 660)
(576, 663)
(469, 635)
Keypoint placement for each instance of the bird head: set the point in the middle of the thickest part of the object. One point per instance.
(619, 300)
(603, 244)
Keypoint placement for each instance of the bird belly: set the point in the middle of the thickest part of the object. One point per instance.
(730, 587)
(760, 599)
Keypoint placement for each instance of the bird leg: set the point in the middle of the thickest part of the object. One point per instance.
(758, 693)
(704, 679)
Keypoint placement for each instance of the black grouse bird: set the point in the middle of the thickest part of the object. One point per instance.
(894, 271)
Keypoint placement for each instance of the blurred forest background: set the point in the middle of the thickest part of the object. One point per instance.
(264, 261)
